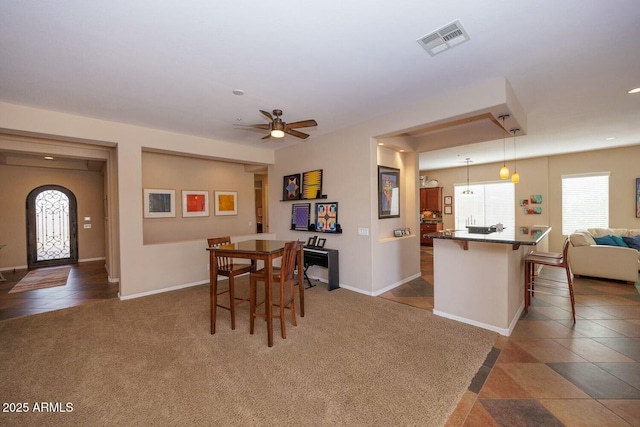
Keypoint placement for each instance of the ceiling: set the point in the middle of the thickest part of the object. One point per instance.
(174, 65)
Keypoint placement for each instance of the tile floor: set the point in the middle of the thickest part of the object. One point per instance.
(550, 372)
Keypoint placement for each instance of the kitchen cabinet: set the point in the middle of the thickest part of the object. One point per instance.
(431, 199)
(429, 228)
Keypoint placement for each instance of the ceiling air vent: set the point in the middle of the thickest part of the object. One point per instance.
(446, 37)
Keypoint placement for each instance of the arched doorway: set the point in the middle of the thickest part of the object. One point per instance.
(52, 226)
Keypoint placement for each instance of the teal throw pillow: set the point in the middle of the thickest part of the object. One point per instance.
(619, 241)
(632, 242)
(605, 240)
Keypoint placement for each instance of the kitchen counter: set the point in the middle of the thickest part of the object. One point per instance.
(512, 236)
(479, 278)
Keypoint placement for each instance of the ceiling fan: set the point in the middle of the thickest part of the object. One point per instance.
(277, 128)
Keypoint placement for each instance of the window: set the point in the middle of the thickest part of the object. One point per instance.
(490, 204)
(585, 201)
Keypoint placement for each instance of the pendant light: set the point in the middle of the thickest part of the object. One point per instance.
(515, 178)
(504, 170)
(467, 191)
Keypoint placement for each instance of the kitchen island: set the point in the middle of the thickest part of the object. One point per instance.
(479, 278)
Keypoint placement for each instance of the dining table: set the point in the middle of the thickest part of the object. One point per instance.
(255, 250)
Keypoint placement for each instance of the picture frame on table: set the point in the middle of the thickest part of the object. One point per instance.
(159, 203)
(388, 192)
(312, 241)
(321, 242)
(195, 203)
(225, 203)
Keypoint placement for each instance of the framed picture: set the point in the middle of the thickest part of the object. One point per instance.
(226, 202)
(388, 192)
(637, 197)
(312, 241)
(291, 187)
(195, 203)
(159, 203)
(312, 184)
(448, 200)
(448, 210)
(536, 199)
(300, 216)
(321, 242)
(327, 217)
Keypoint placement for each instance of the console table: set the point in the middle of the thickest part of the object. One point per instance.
(327, 258)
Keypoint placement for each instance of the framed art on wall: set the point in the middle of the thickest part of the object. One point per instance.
(637, 197)
(312, 184)
(291, 187)
(226, 202)
(159, 203)
(327, 217)
(300, 216)
(195, 203)
(388, 192)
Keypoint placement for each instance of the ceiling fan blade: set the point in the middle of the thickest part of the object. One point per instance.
(296, 133)
(257, 126)
(267, 136)
(302, 124)
(267, 115)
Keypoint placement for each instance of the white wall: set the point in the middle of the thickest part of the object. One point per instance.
(349, 158)
(143, 268)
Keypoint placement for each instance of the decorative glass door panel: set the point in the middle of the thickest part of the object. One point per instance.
(52, 226)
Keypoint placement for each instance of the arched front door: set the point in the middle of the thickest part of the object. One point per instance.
(52, 231)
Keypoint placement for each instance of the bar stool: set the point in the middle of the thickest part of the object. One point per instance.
(280, 276)
(549, 259)
(227, 268)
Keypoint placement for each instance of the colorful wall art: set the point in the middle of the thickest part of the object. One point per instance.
(300, 216)
(327, 217)
(312, 184)
(291, 187)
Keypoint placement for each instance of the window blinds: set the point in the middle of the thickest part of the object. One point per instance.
(585, 201)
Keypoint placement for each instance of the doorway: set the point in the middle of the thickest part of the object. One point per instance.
(52, 227)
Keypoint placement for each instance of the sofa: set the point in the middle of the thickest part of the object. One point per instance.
(610, 253)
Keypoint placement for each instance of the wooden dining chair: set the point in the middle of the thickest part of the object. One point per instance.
(280, 277)
(550, 286)
(226, 267)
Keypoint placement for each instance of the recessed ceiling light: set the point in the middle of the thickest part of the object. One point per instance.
(238, 92)
(48, 158)
(611, 138)
(636, 90)
(402, 151)
(380, 143)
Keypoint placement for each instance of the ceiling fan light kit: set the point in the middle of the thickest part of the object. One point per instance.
(278, 128)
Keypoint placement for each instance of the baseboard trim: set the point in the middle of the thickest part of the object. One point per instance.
(502, 331)
(163, 290)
